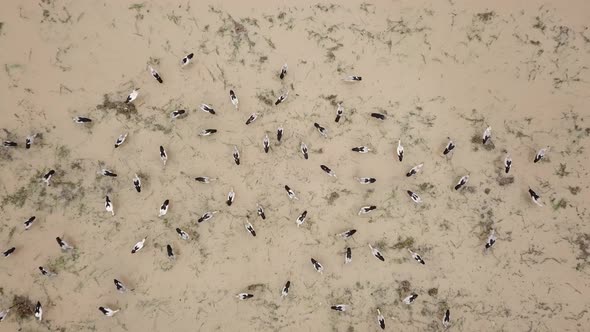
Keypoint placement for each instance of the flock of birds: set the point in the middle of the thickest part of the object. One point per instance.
(449, 148)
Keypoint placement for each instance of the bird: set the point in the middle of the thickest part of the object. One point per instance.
(347, 234)
(462, 181)
(304, 150)
(107, 172)
(207, 132)
(353, 78)
(206, 216)
(9, 144)
(207, 108)
(487, 134)
(535, 197)
(9, 252)
(285, 290)
(138, 246)
(132, 96)
(417, 257)
(290, 193)
(29, 222)
(47, 177)
(46, 272)
(380, 319)
(233, 98)
(82, 119)
(339, 307)
(540, 154)
(137, 183)
(260, 211)
(183, 235)
(108, 205)
(164, 208)
(283, 71)
(449, 147)
(446, 321)
(120, 140)
(367, 209)
(251, 118)
(244, 296)
(231, 195)
(119, 285)
(301, 219)
(321, 129)
(410, 298)
(279, 134)
(187, 59)
(266, 143)
(156, 75)
(414, 196)
(400, 150)
(328, 171)
(163, 155)
(4, 314)
(507, 163)
(236, 155)
(282, 98)
(414, 170)
(339, 112)
(365, 180)
(491, 240)
(348, 255)
(378, 116)
(317, 266)
(377, 253)
(108, 311)
(170, 252)
(63, 244)
(204, 179)
(38, 311)
(177, 114)
(361, 149)
(250, 228)
(29, 140)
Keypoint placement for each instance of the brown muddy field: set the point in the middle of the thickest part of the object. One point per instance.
(437, 69)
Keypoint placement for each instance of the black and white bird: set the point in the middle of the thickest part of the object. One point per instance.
(339, 307)
(207, 108)
(9, 144)
(283, 71)
(367, 209)
(414, 197)
(491, 240)
(377, 253)
(380, 320)
(9, 252)
(347, 234)
(410, 298)
(187, 59)
(204, 179)
(251, 118)
(279, 134)
(285, 290)
(119, 286)
(339, 112)
(183, 235)
(290, 193)
(361, 149)
(282, 98)
(236, 155)
(177, 114)
(366, 180)
(137, 183)
(378, 116)
(29, 140)
(400, 150)
(507, 163)
(63, 244)
(108, 205)
(462, 182)
(107, 172)
(132, 96)
(206, 216)
(47, 177)
(207, 132)
(446, 321)
(234, 99)
(487, 134)
(4, 314)
(156, 75)
(266, 143)
(301, 218)
(417, 257)
(449, 147)
(414, 170)
(138, 246)
(163, 155)
(46, 272)
(304, 150)
(260, 211)
(250, 228)
(170, 252)
(39, 311)
(82, 119)
(323, 131)
(535, 197)
(328, 170)
(164, 208)
(348, 255)
(108, 311)
(231, 195)
(317, 266)
(540, 154)
(244, 296)
(29, 222)
(353, 78)
(120, 140)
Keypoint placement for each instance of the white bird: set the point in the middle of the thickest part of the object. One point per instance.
(366, 180)
(250, 228)
(29, 140)
(82, 119)
(187, 59)
(244, 296)
(206, 108)
(177, 114)
(234, 99)
(285, 290)
(282, 98)
(108, 311)
(283, 71)
(204, 179)
(120, 140)
(39, 311)
(339, 307)
(540, 154)
(535, 197)
(290, 193)
(207, 132)
(47, 177)
(9, 252)
(266, 143)
(353, 78)
(347, 234)
(10, 144)
(464, 179)
(107, 172)
(367, 209)
(183, 235)
(132, 96)
(301, 219)
(138, 246)
(417, 257)
(251, 118)
(487, 134)
(400, 150)
(29, 222)
(230, 197)
(170, 252)
(279, 134)
(449, 147)
(260, 211)
(156, 75)
(4, 314)
(377, 253)
(317, 266)
(380, 319)
(348, 256)
(108, 205)
(414, 197)
(491, 240)
(137, 183)
(328, 171)
(304, 150)
(119, 285)
(414, 170)
(63, 244)
(361, 149)
(164, 208)
(446, 321)
(46, 272)
(410, 298)
(507, 163)
(206, 216)
(163, 155)
(339, 112)
(236, 155)
(323, 131)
